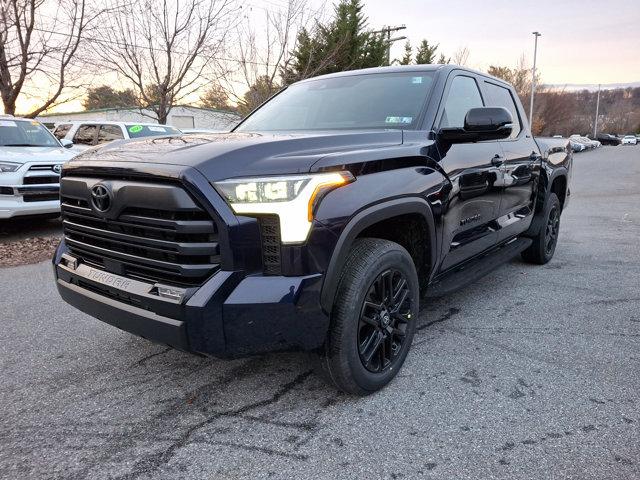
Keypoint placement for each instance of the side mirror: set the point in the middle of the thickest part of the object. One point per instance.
(66, 143)
(484, 123)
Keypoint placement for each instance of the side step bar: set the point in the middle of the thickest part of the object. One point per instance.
(474, 269)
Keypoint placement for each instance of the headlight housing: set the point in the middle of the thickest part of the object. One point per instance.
(6, 167)
(294, 198)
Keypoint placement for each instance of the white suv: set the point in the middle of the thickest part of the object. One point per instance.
(86, 134)
(30, 162)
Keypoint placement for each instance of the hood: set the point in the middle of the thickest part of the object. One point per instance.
(35, 154)
(228, 155)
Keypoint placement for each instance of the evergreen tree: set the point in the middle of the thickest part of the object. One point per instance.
(106, 97)
(442, 60)
(426, 53)
(344, 43)
(408, 54)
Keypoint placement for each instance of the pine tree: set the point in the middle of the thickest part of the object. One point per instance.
(408, 54)
(344, 43)
(426, 53)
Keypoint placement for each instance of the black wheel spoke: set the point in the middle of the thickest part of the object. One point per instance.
(383, 320)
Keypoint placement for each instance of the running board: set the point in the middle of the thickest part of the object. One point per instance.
(477, 268)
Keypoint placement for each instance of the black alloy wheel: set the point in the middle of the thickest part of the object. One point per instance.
(384, 318)
(551, 232)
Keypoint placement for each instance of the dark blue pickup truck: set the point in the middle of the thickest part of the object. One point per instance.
(320, 223)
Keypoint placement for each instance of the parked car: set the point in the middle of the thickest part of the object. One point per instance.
(629, 140)
(31, 159)
(318, 223)
(587, 142)
(576, 146)
(87, 134)
(607, 139)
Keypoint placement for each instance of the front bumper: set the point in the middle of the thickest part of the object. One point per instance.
(14, 205)
(231, 315)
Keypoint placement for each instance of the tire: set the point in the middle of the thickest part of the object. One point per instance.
(544, 243)
(380, 329)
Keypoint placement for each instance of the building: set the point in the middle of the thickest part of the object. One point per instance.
(181, 116)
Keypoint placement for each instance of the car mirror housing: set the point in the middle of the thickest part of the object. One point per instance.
(66, 143)
(484, 123)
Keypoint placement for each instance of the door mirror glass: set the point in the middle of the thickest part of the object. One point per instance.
(484, 123)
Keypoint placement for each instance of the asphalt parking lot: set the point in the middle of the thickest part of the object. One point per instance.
(532, 373)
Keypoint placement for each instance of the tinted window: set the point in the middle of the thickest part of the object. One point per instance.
(501, 97)
(109, 133)
(375, 101)
(137, 131)
(463, 96)
(25, 133)
(61, 131)
(85, 135)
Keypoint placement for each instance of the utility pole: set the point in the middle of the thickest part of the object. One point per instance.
(387, 31)
(533, 77)
(595, 121)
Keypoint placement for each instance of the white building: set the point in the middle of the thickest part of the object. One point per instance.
(181, 116)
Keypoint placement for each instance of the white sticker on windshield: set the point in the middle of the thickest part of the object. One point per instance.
(399, 120)
(416, 80)
(8, 123)
(157, 129)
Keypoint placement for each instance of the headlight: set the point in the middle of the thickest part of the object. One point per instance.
(294, 198)
(9, 167)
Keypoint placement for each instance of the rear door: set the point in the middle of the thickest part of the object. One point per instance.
(109, 133)
(521, 168)
(86, 136)
(469, 222)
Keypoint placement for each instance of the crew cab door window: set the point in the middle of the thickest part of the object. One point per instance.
(498, 96)
(86, 135)
(61, 131)
(108, 133)
(463, 95)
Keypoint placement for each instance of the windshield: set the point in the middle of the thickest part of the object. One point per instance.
(374, 101)
(137, 130)
(25, 133)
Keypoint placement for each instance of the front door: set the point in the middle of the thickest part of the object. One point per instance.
(521, 168)
(473, 206)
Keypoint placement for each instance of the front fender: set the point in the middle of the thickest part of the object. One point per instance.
(358, 223)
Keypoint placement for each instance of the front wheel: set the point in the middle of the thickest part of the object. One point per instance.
(373, 318)
(544, 243)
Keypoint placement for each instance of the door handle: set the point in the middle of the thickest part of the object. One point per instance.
(497, 160)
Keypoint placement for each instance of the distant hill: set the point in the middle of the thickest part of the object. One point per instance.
(576, 87)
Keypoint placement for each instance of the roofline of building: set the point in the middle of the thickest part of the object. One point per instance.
(134, 109)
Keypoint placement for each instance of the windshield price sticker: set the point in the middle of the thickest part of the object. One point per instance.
(135, 128)
(399, 120)
(156, 129)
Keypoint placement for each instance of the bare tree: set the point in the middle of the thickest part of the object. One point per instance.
(163, 47)
(263, 53)
(36, 48)
(461, 57)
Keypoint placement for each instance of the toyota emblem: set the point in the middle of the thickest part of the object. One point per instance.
(100, 198)
(57, 169)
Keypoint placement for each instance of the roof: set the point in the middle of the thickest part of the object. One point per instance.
(119, 109)
(111, 122)
(430, 67)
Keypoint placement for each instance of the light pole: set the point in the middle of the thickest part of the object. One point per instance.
(595, 121)
(533, 76)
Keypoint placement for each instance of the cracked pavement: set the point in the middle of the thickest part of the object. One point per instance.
(530, 373)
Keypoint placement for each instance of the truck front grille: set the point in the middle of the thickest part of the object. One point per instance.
(176, 243)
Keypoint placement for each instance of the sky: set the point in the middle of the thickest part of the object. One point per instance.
(582, 42)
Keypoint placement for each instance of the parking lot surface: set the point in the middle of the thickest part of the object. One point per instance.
(532, 373)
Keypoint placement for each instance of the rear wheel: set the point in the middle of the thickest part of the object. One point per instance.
(373, 318)
(544, 243)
